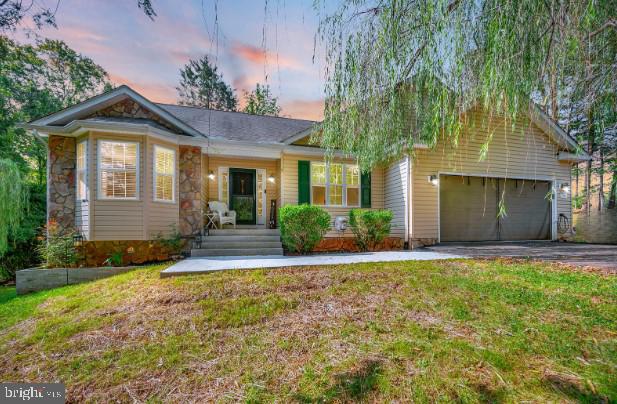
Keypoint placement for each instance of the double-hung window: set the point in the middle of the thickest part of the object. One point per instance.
(164, 174)
(352, 182)
(335, 184)
(81, 170)
(118, 170)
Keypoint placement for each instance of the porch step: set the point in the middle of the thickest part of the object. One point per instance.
(221, 252)
(235, 238)
(245, 232)
(239, 242)
(213, 245)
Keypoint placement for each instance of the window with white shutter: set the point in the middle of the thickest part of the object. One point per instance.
(335, 184)
(118, 169)
(164, 174)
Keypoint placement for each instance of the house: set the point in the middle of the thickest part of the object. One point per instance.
(123, 170)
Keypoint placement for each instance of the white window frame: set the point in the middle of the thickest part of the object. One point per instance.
(84, 197)
(100, 193)
(155, 175)
(344, 184)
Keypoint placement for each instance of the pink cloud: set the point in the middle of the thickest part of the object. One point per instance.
(302, 109)
(152, 91)
(258, 56)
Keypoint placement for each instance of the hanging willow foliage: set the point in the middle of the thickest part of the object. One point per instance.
(13, 193)
(400, 72)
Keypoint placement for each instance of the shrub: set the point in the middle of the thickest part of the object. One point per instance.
(173, 241)
(56, 248)
(303, 226)
(369, 226)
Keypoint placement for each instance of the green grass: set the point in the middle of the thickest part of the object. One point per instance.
(468, 331)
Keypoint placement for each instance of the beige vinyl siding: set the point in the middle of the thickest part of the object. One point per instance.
(529, 154)
(116, 219)
(141, 219)
(159, 217)
(82, 205)
(271, 167)
(396, 195)
(289, 185)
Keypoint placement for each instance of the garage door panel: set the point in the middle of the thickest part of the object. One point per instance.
(528, 211)
(468, 209)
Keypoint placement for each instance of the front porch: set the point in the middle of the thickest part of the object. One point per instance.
(248, 186)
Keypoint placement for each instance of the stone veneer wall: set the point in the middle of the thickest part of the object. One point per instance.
(95, 253)
(61, 182)
(422, 242)
(191, 215)
(348, 244)
(130, 109)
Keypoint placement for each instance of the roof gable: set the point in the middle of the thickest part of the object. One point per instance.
(121, 102)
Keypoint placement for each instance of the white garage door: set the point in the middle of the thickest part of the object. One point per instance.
(469, 209)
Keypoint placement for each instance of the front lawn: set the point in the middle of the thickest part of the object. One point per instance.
(425, 331)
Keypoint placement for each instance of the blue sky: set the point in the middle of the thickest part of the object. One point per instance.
(249, 46)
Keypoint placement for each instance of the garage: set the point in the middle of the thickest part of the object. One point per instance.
(469, 206)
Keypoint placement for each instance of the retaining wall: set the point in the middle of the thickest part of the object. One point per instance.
(35, 279)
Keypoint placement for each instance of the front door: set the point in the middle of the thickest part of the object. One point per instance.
(242, 194)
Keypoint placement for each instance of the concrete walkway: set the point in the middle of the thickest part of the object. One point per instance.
(213, 264)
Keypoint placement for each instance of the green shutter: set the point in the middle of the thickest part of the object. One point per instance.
(304, 182)
(365, 190)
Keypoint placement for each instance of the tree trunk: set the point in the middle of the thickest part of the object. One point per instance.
(590, 147)
(577, 179)
(553, 95)
(612, 194)
(601, 187)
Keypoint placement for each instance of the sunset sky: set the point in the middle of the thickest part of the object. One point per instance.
(147, 55)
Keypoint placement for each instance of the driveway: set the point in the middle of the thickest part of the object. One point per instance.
(602, 256)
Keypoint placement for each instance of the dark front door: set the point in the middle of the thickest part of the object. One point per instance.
(242, 194)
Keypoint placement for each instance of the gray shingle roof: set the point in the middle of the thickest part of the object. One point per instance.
(237, 125)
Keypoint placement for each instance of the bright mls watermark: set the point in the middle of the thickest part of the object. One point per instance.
(44, 393)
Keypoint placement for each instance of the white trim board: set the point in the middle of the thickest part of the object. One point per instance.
(99, 192)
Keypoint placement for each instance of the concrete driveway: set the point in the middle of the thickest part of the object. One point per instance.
(601, 256)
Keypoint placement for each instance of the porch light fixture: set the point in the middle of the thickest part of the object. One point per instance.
(433, 179)
(211, 175)
(271, 178)
(78, 240)
(565, 188)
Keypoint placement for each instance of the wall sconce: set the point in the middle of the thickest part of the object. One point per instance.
(433, 179)
(564, 188)
(211, 175)
(271, 178)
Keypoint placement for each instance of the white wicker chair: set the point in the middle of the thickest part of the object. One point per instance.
(224, 214)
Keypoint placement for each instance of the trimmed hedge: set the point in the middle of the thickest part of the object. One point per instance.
(303, 226)
(370, 227)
